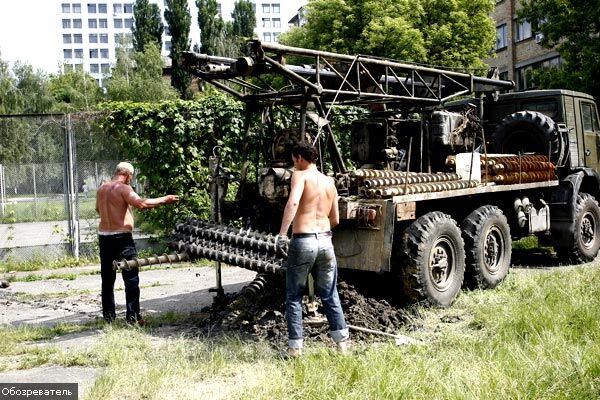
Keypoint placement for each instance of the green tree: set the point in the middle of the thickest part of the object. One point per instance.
(75, 90)
(244, 19)
(573, 29)
(147, 25)
(177, 15)
(212, 27)
(11, 98)
(34, 90)
(451, 33)
(138, 77)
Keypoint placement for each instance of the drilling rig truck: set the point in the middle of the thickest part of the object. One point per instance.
(445, 168)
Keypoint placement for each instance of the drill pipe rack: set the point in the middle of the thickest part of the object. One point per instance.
(245, 248)
(195, 239)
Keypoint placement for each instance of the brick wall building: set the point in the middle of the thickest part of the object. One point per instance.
(518, 48)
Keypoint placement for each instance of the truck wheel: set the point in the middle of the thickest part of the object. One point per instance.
(586, 231)
(488, 247)
(435, 259)
(530, 132)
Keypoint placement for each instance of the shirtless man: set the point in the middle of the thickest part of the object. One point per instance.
(312, 210)
(114, 200)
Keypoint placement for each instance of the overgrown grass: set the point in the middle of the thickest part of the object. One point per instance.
(39, 263)
(45, 209)
(16, 351)
(537, 336)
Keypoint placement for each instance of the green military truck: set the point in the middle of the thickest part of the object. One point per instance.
(440, 177)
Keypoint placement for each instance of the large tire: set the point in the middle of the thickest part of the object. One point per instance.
(488, 247)
(586, 232)
(434, 259)
(530, 132)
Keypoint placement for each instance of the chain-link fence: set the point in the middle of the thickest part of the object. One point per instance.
(50, 167)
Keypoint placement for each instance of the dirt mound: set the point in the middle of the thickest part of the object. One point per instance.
(258, 311)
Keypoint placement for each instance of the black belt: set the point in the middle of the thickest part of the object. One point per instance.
(313, 234)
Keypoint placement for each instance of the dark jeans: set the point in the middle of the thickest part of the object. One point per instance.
(118, 247)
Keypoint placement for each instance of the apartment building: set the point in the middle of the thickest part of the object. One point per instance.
(272, 16)
(91, 31)
(518, 48)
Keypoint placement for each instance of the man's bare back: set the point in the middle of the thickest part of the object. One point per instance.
(114, 200)
(113, 206)
(316, 202)
(312, 205)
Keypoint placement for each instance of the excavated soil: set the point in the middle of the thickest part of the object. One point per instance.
(368, 302)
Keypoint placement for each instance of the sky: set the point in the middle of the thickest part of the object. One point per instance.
(29, 31)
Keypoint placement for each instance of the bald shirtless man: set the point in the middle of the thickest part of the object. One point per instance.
(114, 200)
(312, 210)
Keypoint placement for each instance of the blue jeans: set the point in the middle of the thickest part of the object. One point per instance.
(313, 252)
(118, 247)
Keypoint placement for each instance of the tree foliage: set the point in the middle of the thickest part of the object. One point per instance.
(137, 76)
(244, 19)
(75, 90)
(451, 33)
(177, 15)
(573, 29)
(147, 25)
(212, 27)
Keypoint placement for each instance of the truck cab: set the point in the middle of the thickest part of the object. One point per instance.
(576, 110)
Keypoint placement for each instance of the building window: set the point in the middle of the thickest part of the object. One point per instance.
(67, 53)
(266, 22)
(93, 38)
(128, 8)
(103, 23)
(276, 8)
(105, 68)
(66, 8)
(67, 39)
(77, 23)
(168, 45)
(102, 9)
(128, 23)
(118, 23)
(92, 23)
(94, 68)
(78, 53)
(93, 53)
(276, 23)
(68, 68)
(118, 8)
(104, 38)
(267, 36)
(501, 37)
(78, 38)
(219, 9)
(275, 36)
(266, 8)
(91, 8)
(103, 53)
(66, 23)
(76, 8)
(522, 31)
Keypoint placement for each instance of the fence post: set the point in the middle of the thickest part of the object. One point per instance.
(71, 188)
(2, 191)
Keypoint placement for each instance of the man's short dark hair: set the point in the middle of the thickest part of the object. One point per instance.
(306, 150)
